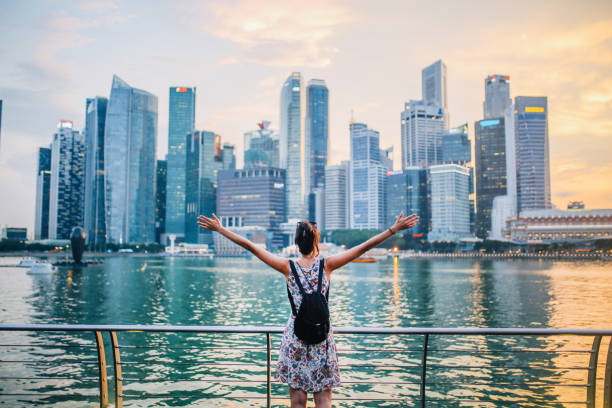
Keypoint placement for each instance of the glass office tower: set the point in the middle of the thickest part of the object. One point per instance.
(292, 145)
(43, 185)
(67, 181)
(532, 156)
(129, 153)
(422, 126)
(490, 170)
(407, 190)
(161, 172)
(367, 189)
(317, 131)
(497, 96)
(94, 219)
(433, 84)
(181, 121)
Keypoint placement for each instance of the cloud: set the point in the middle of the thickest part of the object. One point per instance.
(280, 33)
(582, 181)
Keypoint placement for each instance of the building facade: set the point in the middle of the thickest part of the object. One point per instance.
(181, 121)
(67, 181)
(337, 196)
(292, 145)
(205, 158)
(43, 189)
(532, 152)
(367, 189)
(422, 126)
(317, 132)
(497, 96)
(490, 154)
(261, 147)
(433, 83)
(407, 191)
(94, 217)
(450, 205)
(552, 225)
(455, 146)
(161, 172)
(257, 197)
(129, 151)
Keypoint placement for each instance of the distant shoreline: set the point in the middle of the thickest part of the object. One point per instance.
(424, 255)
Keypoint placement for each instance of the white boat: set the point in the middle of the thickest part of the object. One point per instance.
(41, 268)
(27, 262)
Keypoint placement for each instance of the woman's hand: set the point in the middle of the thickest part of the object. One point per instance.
(403, 223)
(212, 224)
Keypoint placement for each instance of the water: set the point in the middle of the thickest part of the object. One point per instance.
(186, 369)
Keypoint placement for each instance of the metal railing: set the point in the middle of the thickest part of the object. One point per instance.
(423, 353)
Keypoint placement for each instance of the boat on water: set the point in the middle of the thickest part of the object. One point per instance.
(365, 260)
(27, 262)
(41, 268)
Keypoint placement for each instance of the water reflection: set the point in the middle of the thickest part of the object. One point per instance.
(482, 293)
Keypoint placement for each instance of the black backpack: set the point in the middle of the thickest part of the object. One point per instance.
(312, 320)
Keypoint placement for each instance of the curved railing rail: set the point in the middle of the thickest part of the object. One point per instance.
(429, 357)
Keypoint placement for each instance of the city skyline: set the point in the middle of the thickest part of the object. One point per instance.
(55, 81)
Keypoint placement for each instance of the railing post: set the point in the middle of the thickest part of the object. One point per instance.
(268, 372)
(424, 370)
(117, 367)
(608, 378)
(102, 379)
(592, 379)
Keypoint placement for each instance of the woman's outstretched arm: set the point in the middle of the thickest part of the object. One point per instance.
(279, 263)
(339, 260)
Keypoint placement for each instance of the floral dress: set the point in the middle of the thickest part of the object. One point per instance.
(310, 368)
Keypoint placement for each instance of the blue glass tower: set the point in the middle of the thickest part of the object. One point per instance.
(43, 186)
(532, 157)
(407, 190)
(367, 187)
(317, 133)
(94, 220)
(181, 121)
(129, 152)
(292, 145)
(160, 198)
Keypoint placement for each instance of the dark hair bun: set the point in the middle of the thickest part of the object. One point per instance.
(306, 237)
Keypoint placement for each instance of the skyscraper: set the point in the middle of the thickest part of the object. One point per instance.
(257, 196)
(450, 206)
(161, 172)
(292, 145)
(490, 170)
(67, 181)
(317, 131)
(261, 147)
(205, 158)
(94, 219)
(433, 83)
(181, 121)
(532, 156)
(455, 146)
(497, 96)
(43, 186)
(422, 127)
(337, 196)
(129, 157)
(406, 190)
(367, 189)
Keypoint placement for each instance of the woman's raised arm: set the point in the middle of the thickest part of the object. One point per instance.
(279, 263)
(339, 260)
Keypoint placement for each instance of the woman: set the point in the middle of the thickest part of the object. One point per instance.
(305, 368)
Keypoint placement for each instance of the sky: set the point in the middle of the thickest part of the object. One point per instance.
(55, 54)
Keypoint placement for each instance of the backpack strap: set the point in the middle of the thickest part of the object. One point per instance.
(297, 278)
(291, 301)
(322, 268)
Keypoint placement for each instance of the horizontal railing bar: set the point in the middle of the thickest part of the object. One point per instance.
(45, 395)
(280, 329)
(164, 396)
(507, 367)
(47, 362)
(51, 378)
(480, 401)
(211, 380)
(189, 364)
(190, 348)
(50, 345)
(461, 351)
